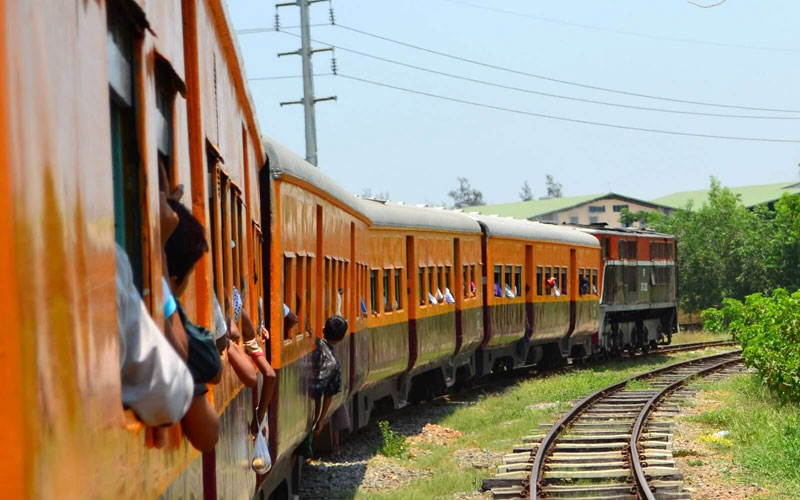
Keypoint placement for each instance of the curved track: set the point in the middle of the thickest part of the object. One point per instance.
(602, 439)
(613, 444)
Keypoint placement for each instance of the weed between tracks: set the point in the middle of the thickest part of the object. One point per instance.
(491, 420)
(759, 457)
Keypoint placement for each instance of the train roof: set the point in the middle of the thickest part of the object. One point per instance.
(529, 230)
(622, 231)
(388, 214)
(283, 160)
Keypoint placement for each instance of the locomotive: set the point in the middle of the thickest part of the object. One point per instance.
(98, 96)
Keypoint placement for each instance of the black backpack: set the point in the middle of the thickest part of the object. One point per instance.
(204, 358)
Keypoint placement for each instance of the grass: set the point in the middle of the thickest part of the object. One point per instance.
(698, 336)
(498, 418)
(764, 435)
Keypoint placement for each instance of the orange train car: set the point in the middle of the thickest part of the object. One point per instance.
(526, 318)
(96, 96)
(316, 258)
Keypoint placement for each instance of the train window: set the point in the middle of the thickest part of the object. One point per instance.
(466, 282)
(621, 249)
(447, 277)
(387, 273)
(498, 281)
(472, 282)
(547, 273)
(398, 295)
(373, 290)
(125, 157)
(423, 297)
(431, 274)
(539, 280)
(556, 271)
(326, 306)
(518, 280)
(581, 282)
(564, 280)
(594, 281)
(630, 250)
(309, 309)
(288, 279)
(300, 307)
(604, 243)
(507, 282)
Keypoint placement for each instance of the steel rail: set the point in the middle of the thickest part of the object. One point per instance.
(549, 439)
(694, 345)
(640, 478)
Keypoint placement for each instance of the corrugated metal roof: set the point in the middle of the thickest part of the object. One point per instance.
(623, 230)
(750, 195)
(528, 209)
(515, 228)
(283, 160)
(536, 208)
(388, 214)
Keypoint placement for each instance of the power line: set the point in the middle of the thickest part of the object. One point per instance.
(564, 82)
(545, 94)
(565, 119)
(621, 32)
(283, 77)
(255, 31)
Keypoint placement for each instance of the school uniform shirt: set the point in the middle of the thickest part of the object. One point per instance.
(156, 383)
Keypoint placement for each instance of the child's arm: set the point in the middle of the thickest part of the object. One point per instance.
(241, 365)
(326, 404)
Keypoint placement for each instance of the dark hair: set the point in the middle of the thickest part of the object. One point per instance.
(187, 244)
(335, 328)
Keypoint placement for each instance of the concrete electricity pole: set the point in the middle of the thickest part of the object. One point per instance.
(308, 101)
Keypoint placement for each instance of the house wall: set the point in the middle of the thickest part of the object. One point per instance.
(610, 212)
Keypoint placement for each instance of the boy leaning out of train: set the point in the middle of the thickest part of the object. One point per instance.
(327, 377)
(182, 250)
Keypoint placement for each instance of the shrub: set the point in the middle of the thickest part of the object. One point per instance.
(769, 330)
(394, 444)
(713, 320)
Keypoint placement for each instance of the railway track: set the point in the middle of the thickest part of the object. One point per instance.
(614, 444)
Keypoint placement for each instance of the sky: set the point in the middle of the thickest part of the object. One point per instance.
(741, 53)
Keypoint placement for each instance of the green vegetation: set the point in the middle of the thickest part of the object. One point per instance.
(726, 250)
(638, 385)
(394, 445)
(495, 418)
(764, 434)
(769, 331)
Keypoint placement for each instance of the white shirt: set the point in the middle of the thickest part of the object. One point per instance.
(156, 383)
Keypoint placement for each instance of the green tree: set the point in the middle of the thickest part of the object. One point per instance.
(465, 195)
(554, 189)
(723, 249)
(525, 194)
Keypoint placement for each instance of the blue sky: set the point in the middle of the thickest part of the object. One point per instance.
(414, 146)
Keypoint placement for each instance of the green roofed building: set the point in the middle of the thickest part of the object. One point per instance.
(763, 194)
(589, 209)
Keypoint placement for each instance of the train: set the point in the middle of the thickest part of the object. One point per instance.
(98, 97)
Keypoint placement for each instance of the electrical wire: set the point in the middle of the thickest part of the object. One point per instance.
(283, 77)
(254, 31)
(564, 82)
(621, 32)
(565, 119)
(545, 94)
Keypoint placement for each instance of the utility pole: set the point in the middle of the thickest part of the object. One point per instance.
(308, 101)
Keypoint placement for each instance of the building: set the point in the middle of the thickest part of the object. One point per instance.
(589, 209)
(763, 194)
